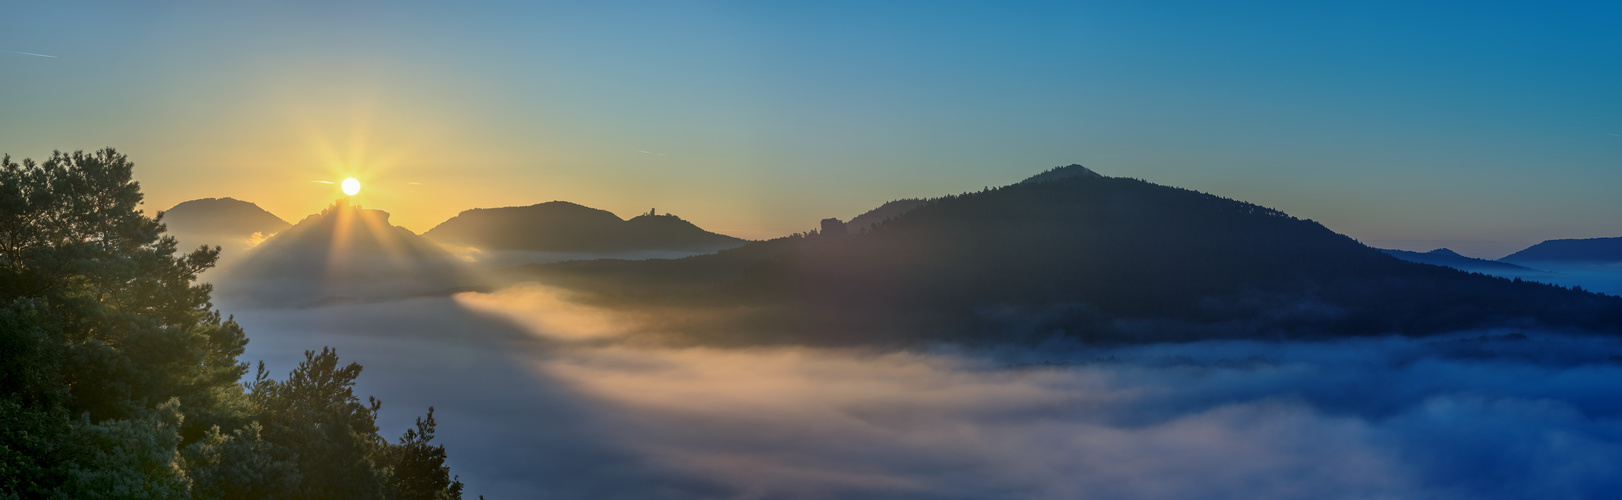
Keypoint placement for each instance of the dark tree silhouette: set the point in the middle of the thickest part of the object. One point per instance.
(419, 467)
(119, 380)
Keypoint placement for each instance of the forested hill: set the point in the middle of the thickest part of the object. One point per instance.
(1090, 257)
(560, 226)
(883, 213)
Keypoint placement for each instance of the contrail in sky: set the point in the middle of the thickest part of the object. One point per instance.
(31, 54)
(322, 182)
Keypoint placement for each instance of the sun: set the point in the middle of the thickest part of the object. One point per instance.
(351, 186)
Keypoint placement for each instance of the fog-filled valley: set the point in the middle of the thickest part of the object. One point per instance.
(729, 250)
(1070, 336)
(627, 378)
(539, 396)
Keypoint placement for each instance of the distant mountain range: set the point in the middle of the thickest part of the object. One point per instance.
(1070, 253)
(560, 226)
(1067, 252)
(226, 222)
(1449, 258)
(564, 230)
(1571, 251)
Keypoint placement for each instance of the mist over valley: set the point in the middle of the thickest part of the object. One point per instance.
(772, 369)
(810, 250)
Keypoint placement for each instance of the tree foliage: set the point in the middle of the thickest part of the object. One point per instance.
(118, 379)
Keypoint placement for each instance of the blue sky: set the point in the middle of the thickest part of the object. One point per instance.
(1482, 126)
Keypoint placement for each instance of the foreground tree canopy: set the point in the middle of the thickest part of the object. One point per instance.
(119, 380)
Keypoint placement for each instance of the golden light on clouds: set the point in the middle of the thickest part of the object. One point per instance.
(546, 312)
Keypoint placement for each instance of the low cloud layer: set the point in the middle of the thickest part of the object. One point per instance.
(1340, 420)
(541, 396)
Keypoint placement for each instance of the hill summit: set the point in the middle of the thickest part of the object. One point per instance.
(344, 252)
(1065, 172)
(227, 222)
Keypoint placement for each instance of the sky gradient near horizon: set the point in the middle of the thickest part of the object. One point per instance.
(1482, 126)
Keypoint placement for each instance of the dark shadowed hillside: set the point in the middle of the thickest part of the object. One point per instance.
(345, 252)
(220, 221)
(560, 226)
(895, 208)
(1083, 256)
(1575, 251)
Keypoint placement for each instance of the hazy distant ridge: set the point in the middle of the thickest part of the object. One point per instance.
(1591, 250)
(217, 221)
(344, 252)
(1448, 258)
(560, 226)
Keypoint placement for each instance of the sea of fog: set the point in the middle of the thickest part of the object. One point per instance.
(538, 397)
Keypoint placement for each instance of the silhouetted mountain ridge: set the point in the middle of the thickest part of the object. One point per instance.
(1065, 172)
(891, 209)
(344, 252)
(1575, 251)
(220, 221)
(1449, 258)
(1084, 256)
(560, 226)
(884, 212)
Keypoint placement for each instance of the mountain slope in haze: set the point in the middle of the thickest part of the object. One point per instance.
(1570, 251)
(225, 222)
(560, 226)
(344, 252)
(1081, 256)
(1448, 258)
